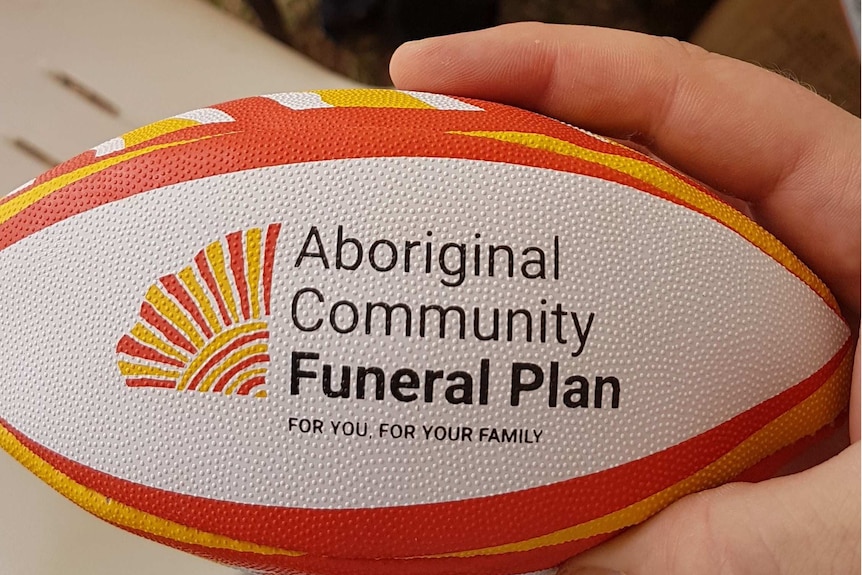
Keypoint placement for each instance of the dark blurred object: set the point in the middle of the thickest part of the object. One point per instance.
(810, 42)
(853, 12)
(403, 20)
(340, 17)
(400, 20)
(357, 37)
(675, 18)
(269, 17)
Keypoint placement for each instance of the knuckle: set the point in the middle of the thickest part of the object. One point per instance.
(684, 50)
(706, 536)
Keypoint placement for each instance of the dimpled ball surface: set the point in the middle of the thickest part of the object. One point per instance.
(377, 332)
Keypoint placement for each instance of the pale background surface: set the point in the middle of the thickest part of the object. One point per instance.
(141, 60)
(144, 59)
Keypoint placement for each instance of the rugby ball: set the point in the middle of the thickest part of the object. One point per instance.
(381, 332)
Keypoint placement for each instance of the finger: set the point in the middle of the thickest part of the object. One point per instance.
(855, 390)
(797, 525)
(742, 130)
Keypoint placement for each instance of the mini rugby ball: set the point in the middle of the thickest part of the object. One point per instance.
(382, 333)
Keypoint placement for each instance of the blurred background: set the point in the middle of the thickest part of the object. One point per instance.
(807, 39)
(79, 72)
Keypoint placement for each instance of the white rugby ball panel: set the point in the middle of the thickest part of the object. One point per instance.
(385, 332)
(685, 340)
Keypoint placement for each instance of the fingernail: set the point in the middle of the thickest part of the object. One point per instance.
(413, 44)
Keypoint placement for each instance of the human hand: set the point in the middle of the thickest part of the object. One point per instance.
(789, 156)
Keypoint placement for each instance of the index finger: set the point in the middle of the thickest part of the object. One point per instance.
(743, 130)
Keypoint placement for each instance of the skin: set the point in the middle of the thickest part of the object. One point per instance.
(788, 157)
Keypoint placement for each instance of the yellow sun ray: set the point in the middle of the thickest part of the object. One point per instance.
(143, 334)
(243, 377)
(191, 283)
(253, 253)
(171, 311)
(215, 255)
(232, 359)
(128, 368)
(213, 347)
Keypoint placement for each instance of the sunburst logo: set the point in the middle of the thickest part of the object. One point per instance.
(205, 327)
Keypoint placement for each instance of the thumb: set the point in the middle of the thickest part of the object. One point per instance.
(800, 524)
